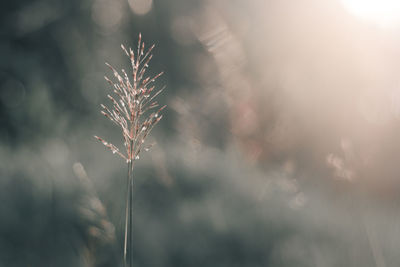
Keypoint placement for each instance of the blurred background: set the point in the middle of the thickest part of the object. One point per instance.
(279, 146)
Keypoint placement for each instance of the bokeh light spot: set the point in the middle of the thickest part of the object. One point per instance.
(107, 14)
(140, 7)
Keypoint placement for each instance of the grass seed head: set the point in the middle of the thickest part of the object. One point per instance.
(131, 100)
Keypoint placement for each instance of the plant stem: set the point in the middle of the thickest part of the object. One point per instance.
(128, 237)
(131, 218)
(127, 215)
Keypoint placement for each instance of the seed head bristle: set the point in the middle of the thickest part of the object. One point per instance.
(131, 102)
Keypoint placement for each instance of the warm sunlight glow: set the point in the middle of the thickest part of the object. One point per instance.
(384, 12)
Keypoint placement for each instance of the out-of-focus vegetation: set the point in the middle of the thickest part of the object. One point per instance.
(279, 146)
